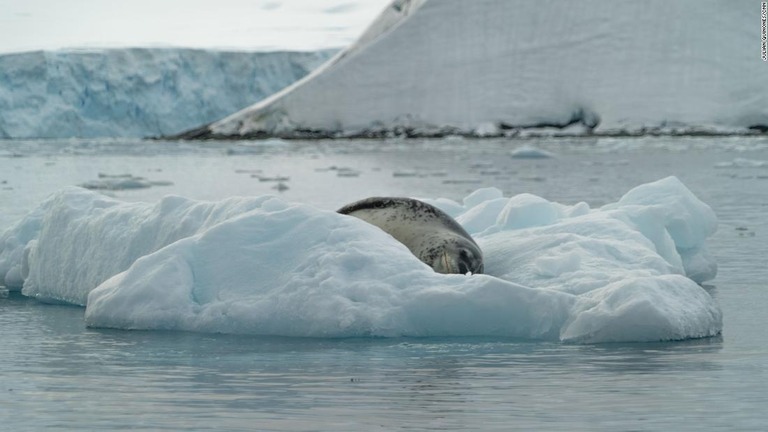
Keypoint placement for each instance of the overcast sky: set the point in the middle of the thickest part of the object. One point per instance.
(228, 24)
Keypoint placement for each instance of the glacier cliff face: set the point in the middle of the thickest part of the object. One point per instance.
(491, 67)
(136, 92)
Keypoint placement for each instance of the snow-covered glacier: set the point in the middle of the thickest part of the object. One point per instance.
(627, 271)
(501, 67)
(136, 92)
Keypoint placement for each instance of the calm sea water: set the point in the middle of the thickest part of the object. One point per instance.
(58, 375)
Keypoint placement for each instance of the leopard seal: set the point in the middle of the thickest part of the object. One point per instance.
(431, 235)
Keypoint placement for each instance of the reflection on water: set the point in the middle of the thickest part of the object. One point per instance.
(73, 378)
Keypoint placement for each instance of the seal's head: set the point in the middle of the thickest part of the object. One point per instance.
(457, 257)
(429, 233)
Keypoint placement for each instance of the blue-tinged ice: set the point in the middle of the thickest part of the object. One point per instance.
(136, 92)
(625, 272)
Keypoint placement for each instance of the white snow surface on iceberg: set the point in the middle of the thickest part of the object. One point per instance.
(136, 92)
(483, 66)
(76, 239)
(269, 267)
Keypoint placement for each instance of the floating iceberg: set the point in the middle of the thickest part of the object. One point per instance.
(743, 163)
(530, 152)
(625, 272)
(496, 67)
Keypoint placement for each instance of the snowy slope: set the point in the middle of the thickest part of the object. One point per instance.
(260, 265)
(488, 66)
(136, 92)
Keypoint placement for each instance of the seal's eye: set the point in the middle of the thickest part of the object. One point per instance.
(465, 261)
(463, 269)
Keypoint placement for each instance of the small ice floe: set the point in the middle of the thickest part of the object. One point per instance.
(405, 173)
(621, 162)
(7, 154)
(280, 187)
(530, 152)
(744, 231)
(462, 181)
(347, 172)
(326, 169)
(122, 182)
(277, 178)
(481, 165)
(743, 163)
(340, 171)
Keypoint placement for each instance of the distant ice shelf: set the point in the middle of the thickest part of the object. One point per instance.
(136, 92)
(492, 68)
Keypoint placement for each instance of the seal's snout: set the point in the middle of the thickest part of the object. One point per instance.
(465, 262)
(446, 264)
